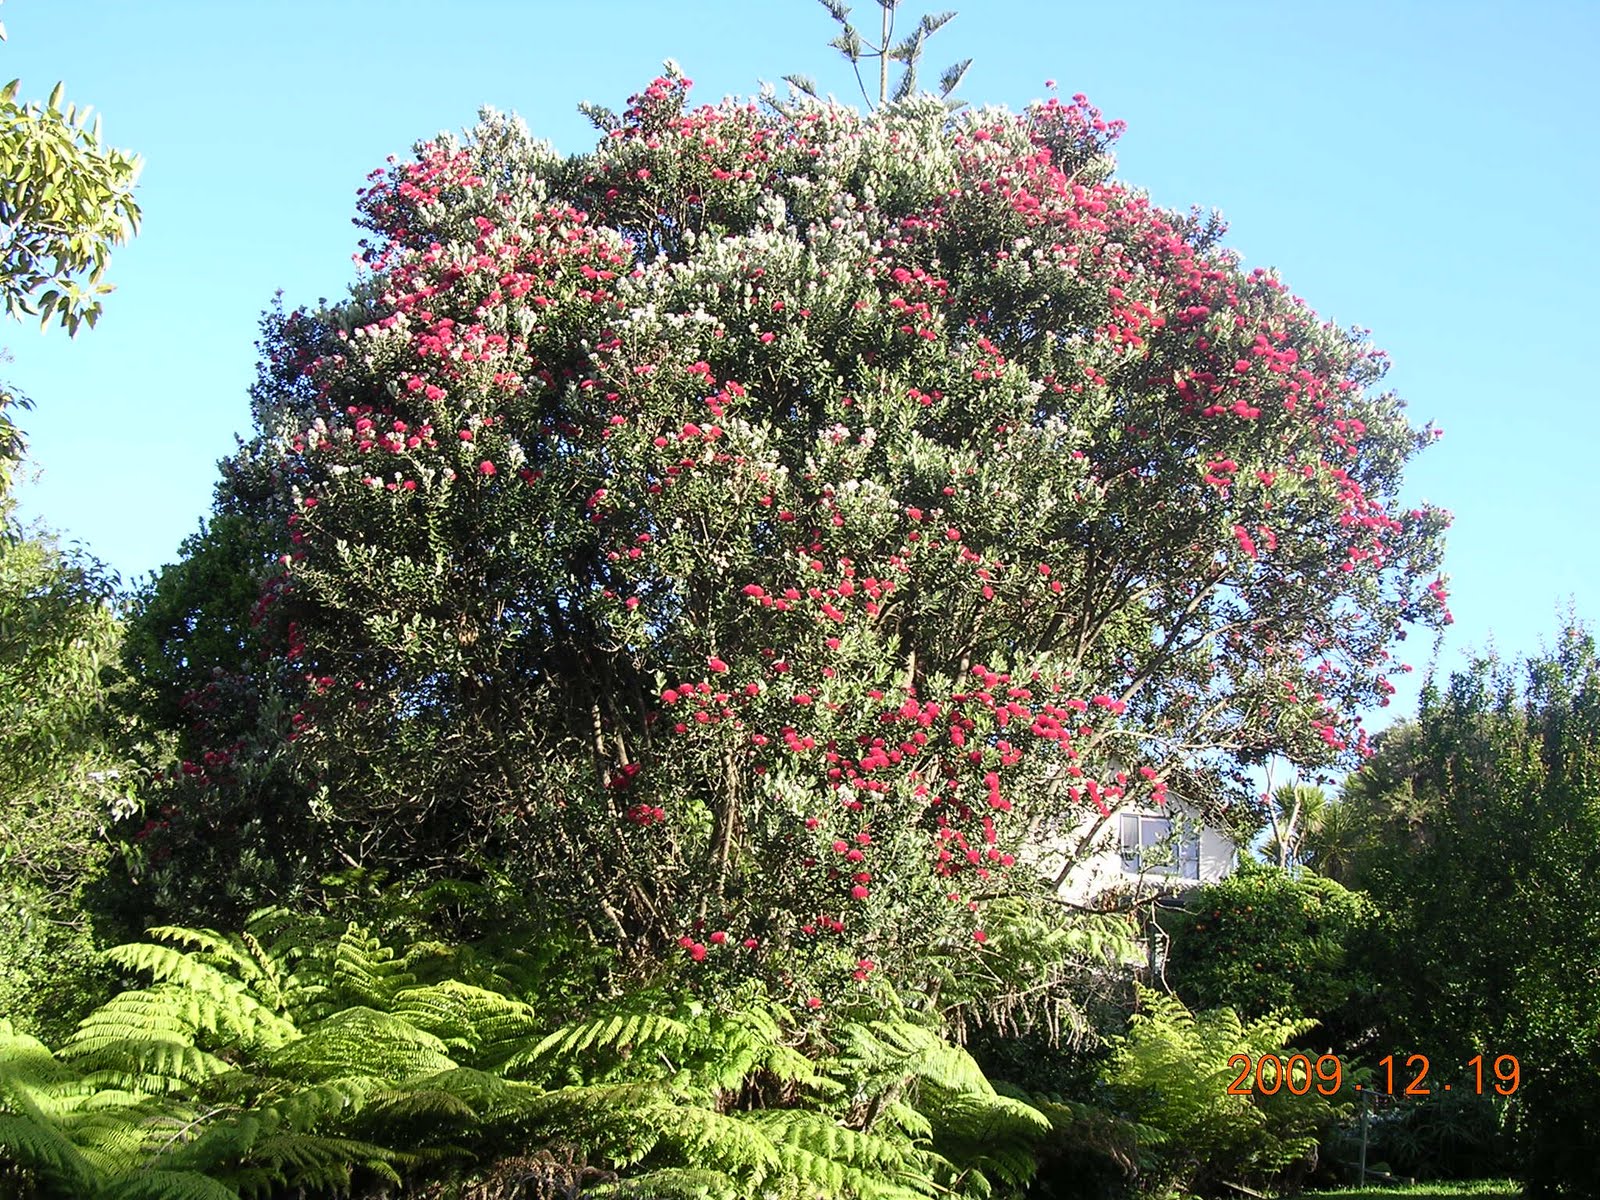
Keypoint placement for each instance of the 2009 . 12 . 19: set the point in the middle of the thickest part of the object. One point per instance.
(1298, 1074)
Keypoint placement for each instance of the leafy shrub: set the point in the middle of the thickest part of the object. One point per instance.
(1264, 940)
(1487, 890)
(1447, 1135)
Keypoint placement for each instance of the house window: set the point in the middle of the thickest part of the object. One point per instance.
(1150, 846)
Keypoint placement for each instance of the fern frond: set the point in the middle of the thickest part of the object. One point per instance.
(169, 1185)
(478, 1100)
(362, 1041)
(437, 1105)
(905, 1119)
(219, 1003)
(314, 1162)
(151, 1066)
(464, 1017)
(44, 1150)
(819, 1175)
(883, 1049)
(736, 1147)
(725, 1047)
(306, 1107)
(251, 964)
(993, 1134)
(988, 1118)
(32, 1082)
(823, 1136)
(620, 1122)
(672, 1183)
(623, 1033)
(366, 971)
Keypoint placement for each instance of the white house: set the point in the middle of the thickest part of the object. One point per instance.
(1146, 848)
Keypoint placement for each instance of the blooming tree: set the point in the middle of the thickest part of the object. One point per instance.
(761, 529)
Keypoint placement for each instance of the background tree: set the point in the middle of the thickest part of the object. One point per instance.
(66, 773)
(65, 200)
(908, 52)
(1296, 813)
(1330, 846)
(1492, 930)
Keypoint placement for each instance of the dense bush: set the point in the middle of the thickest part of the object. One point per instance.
(1266, 940)
(65, 776)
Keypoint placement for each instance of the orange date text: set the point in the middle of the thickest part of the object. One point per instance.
(1298, 1074)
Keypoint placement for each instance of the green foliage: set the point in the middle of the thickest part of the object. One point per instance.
(65, 776)
(65, 200)
(1485, 872)
(192, 619)
(65, 767)
(1265, 940)
(278, 1059)
(1490, 1189)
(1170, 1072)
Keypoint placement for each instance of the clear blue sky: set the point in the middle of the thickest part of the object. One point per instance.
(1427, 170)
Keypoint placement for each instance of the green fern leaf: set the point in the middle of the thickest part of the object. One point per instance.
(362, 1041)
(673, 1183)
(734, 1146)
(169, 1185)
(638, 1032)
(45, 1151)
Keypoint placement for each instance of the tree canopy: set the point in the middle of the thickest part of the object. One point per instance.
(764, 528)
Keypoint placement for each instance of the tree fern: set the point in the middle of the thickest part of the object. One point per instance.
(169, 1185)
(819, 1134)
(725, 1143)
(471, 1021)
(256, 1064)
(1171, 1070)
(819, 1174)
(748, 1039)
(365, 971)
(152, 1066)
(44, 1152)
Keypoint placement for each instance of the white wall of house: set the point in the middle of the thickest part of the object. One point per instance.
(1159, 848)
